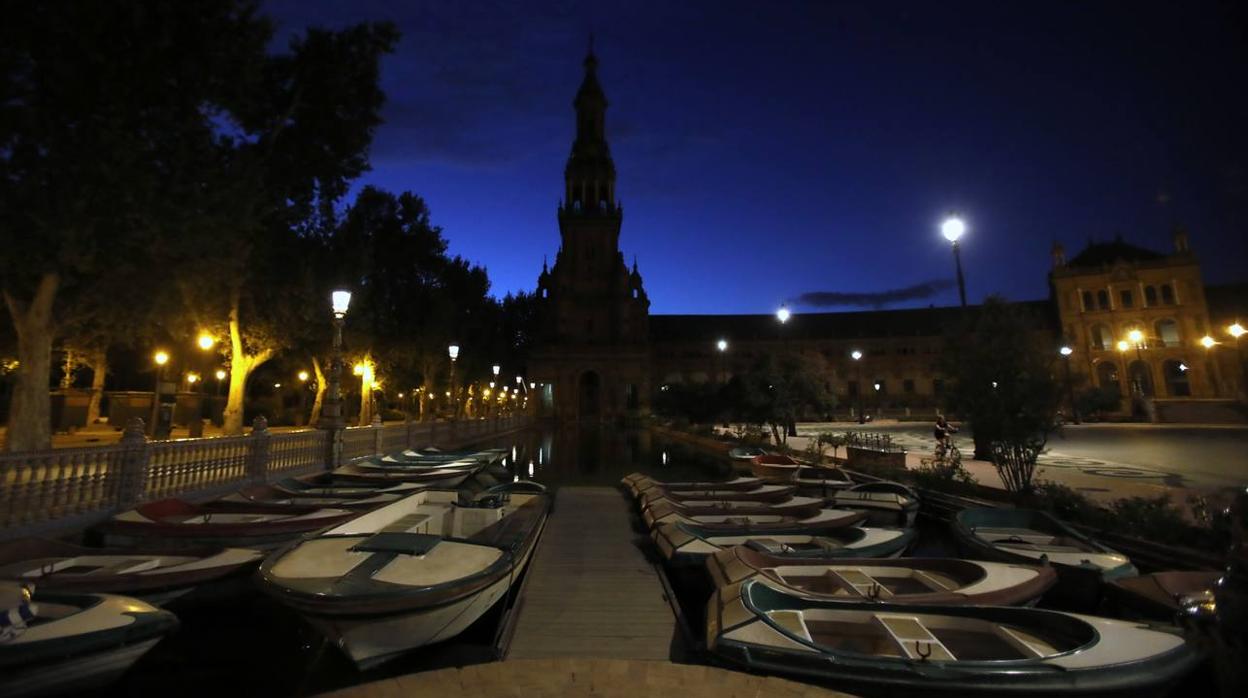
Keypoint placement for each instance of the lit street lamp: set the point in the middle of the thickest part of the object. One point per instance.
(220, 374)
(206, 341)
(331, 410)
(453, 352)
(1066, 351)
(952, 229)
(857, 357)
(1236, 331)
(160, 358)
(783, 314)
(303, 394)
(722, 346)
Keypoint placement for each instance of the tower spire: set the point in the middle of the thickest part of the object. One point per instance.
(589, 176)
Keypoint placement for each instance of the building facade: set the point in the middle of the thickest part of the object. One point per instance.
(1140, 323)
(592, 355)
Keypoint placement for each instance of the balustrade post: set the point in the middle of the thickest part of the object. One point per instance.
(377, 431)
(135, 458)
(258, 462)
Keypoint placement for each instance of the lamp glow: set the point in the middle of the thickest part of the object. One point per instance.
(496, 368)
(161, 358)
(277, 385)
(453, 351)
(1236, 330)
(206, 341)
(952, 228)
(340, 300)
(1122, 345)
(856, 354)
(191, 378)
(220, 374)
(358, 369)
(1136, 336)
(1066, 351)
(783, 314)
(303, 376)
(1207, 342)
(722, 345)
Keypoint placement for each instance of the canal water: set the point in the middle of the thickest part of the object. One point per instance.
(246, 644)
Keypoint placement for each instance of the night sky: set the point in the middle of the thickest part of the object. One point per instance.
(767, 150)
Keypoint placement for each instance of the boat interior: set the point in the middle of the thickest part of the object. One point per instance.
(90, 565)
(923, 636)
(792, 544)
(1032, 540)
(871, 582)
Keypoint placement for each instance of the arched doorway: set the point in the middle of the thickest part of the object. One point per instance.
(1107, 376)
(589, 391)
(1177, 382)
(1141, 379)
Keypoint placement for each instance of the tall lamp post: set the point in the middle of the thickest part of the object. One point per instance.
(303, 395)
(1209, 343)
(877, 398)
(1236, 331)
(952, 229)
(453, 352)
(331, 410)
(857, 357)
(722, 347)
(783, 316)
(495, 369)
(161, 358)
(1066, 351)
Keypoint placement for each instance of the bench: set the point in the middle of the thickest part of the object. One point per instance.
(913, 638)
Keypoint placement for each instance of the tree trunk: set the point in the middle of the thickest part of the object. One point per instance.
(775, 433)
(241, 366)
(30, 411)
(321, 387)
(99, 371)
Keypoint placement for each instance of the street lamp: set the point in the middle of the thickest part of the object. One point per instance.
(1066, 351)
(206, 341)
(453, 352)
(783, 314)
(1236, 331)
(722, 346)
(220, 374)
(857, 357)
(160, 358)
(952, 229)
(331, 410)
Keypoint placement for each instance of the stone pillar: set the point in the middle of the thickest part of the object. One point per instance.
(258, 460)
(136, 455)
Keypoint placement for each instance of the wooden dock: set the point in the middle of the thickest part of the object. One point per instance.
(590, 592)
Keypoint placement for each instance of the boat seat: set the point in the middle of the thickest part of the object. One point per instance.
(913, 638)
(1025, 646)
(406, 524)
(861, 583)
(933, 581)
(130, 566)
(791, 621)
(401, 543)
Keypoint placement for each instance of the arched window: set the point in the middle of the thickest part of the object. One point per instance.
(1167, 294)
(1102, 299)
(1150, 295)
(1101, 338)
(1107, 376)
(1167, 333)
(1177, 383)
(1088, 306)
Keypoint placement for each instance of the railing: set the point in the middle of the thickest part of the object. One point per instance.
(42, 491)
(872, 441)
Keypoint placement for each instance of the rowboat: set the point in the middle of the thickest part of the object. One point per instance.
(442, 478)
(1161, 595)
(684, 544)
(821, 480)
(59, 643)
(264, 497)
(178, 523)
(485, 456)
(387, 464)
(885, 503)
(774, 467)
(153, 576)
(637, 483)
(822, 521)
(409, 574)
(934, 581)
(1029, 536)
(745, 453)
(326, 485)
(664, 509)
(762, 493)
(890, 649)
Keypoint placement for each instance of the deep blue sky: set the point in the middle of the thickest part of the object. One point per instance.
(769, 149)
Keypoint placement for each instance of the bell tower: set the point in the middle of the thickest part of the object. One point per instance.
(592, 306)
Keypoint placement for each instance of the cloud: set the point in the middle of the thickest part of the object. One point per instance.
(873, 299)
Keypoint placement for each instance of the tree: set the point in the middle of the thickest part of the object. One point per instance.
(777, 391)
(104, 123)
(1002, 384)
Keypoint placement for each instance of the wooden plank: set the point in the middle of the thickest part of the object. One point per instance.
(591, 592)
